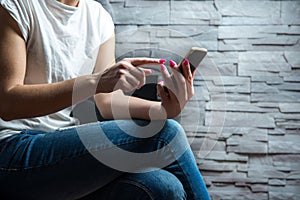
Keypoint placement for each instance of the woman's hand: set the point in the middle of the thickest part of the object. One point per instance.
(179, 88)
(126, 75)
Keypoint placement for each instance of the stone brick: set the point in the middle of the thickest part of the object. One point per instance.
(293, 58)
(145, 12)
(229, 97)
(289, 86)
(199, 12)
(259, 161)
(263, 67)
(224, 57)
(266, 172)
(284, 144)
(291, 161)
(237, 107)
(290, 12)
(229, 192)
(227, 69)
(207, 144)
(277, 131)
(228, 84)
(286, 117)
(289, 107)
(201, 94)
(256, 32)
(260, 136)
(247, 148)
(269, 44)
(293, 73)
(283, 195)
(277, 182)
(239, 120)
(294, 175)
(202, 32)
(263, 88)
(223, 156)
(262, 64)
(134, 36)
(216, 166)
(288, 124)
(259, 188)
(249, 12)
(267, 79)
(292, 79)
(294, 189)
(273, 97)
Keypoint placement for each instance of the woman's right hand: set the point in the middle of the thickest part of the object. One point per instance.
(126, 75)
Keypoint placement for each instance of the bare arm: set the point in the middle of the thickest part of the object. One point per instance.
(23, 101)
(116, 105)
(18, 100)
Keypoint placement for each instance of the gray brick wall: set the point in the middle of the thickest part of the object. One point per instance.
(244, 121)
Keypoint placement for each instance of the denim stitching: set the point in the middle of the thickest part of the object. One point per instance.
(141, 186)
(77, 156)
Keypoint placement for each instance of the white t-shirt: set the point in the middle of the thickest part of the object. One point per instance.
(62, 43)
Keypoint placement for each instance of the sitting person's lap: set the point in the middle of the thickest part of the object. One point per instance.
(68, 164)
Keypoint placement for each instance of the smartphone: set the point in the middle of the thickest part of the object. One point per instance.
(148, 91)
(195, 56)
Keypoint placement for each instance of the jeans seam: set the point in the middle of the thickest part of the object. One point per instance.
(139, 185)
(77, 156)
(185, 175)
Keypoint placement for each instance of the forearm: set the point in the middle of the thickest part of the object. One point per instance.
(26, 101)
(118, 106)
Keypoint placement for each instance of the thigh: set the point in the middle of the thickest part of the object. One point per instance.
(55, 165)
(63, 164)
(154, 185)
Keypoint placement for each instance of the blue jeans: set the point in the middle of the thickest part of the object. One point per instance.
(70, 164)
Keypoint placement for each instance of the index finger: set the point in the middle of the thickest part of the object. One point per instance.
(139, 62)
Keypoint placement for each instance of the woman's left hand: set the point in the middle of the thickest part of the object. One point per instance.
(179, 86)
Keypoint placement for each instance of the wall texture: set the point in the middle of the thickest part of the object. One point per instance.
(244, 121)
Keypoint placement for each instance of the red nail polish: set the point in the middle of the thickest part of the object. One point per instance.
(162, 67)
(172, 63)
(186, 62)
(162, 61)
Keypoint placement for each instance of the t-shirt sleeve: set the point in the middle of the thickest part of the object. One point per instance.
(107, 25)
(19, 10)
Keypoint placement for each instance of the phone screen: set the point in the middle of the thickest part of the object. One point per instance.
(195, 59)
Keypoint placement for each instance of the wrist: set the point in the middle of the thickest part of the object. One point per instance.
(157, 112)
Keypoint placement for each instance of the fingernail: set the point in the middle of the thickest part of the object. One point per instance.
(172, 63)
(151, 70)
(186, 62)
(162, 67)
(162, 61)
(161, 82)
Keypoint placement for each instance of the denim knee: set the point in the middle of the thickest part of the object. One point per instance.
(171, 129)
(173, 135)
(155, 185)
(168, 187)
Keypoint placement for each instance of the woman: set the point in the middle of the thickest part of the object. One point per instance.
(55, 54)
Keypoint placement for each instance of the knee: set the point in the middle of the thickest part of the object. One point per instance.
(169, 187)
(173, 135)
(157, 185)
(171, 130)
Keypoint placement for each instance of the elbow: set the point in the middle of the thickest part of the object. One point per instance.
(5, 115)
(6, 112)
